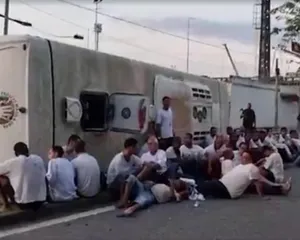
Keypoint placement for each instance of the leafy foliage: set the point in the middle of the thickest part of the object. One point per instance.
(289, 13)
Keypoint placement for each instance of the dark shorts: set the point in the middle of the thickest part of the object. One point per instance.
(269, 175)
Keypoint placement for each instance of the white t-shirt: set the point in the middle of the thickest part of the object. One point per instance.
(119, 165)
(240, 140)
(159, 158)
(27, 177)
(171, 153)
(193, 152)
(87, 174)
(226, 165)
(61, 180)
(165, 120)
(239, 178)
(274, 163)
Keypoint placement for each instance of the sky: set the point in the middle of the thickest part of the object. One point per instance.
(211, 25)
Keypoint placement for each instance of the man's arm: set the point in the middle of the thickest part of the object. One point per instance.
(254, 118)
(5, 167)
(51, 173)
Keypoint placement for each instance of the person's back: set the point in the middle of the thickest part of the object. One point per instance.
(239, 178)
(61, 177)
(87, 174)
(32, 180)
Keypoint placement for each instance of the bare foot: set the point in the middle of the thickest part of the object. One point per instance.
(286, 188)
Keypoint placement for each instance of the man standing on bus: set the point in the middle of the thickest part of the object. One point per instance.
(164, 124)
(249, 118)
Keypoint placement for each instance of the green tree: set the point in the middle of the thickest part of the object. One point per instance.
(289, 15)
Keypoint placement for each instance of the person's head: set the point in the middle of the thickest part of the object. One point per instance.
(79, 147)
(213, 131)
(267, 150)
(130, 146)
(249, 105)
(219, 141)
(228, 153)
(255, 136)
(262, 134)
(176, 142)
(55, 152)
(73, 139)
(229, 130)
(188, 139)
(242, 147)
(21, 148)
(283, 131)
(246, 158)
(152, 144)
(294, 134)
(166, 101)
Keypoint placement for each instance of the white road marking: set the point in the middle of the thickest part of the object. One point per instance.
(49, 223)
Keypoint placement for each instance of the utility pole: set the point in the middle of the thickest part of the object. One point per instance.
(188, 44)
(6, 17)
(277, 71)
(231, 60)
(97, 26)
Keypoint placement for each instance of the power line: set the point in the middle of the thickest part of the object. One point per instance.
(146, 27)
(151, 50)
(52, 15)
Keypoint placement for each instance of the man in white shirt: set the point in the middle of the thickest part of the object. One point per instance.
(189, 150)
(122, 166)
(211, 137)
(238, 153)
(213, 154)
(191, 159)
(173, 152)
(23, 179)
(234, 183)
(87, 172)
(155, 163)
(272, 168)
(164, 124)
(60, 176)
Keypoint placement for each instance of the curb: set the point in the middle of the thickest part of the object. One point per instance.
(52, 210)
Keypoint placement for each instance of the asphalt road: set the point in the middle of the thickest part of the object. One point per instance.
(246, 218)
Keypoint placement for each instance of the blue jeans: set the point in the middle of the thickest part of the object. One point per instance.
(140, 194)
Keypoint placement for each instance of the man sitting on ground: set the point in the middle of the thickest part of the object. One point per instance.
(233, 184)
(272, 166)
(87, 171)
(213, 153)
(121, 167)
(238, 153)
(193, 164)
(135, 196)
(22, 179)
(60, 176)
(154, 163)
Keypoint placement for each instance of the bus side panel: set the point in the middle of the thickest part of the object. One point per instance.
(40, 97)
(13, 95)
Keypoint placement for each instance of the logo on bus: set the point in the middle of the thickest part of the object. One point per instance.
(8, 109)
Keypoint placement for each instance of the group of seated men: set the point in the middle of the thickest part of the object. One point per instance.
(229, 166)
(226, 166)
(27, 182)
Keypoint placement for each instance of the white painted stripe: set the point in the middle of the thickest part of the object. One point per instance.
(49, 223)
